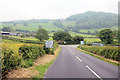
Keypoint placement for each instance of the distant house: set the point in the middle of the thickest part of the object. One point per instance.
(5, 33)
(13, 34)
(18, 34)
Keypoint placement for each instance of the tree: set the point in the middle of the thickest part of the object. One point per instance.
(106, 36)
(22, 36)
(7, 29)
(61, 35)
(42, 34)
(78, 38)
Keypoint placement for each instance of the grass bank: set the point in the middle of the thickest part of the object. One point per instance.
(43, 68)
(116, 63)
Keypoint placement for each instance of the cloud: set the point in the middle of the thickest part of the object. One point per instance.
(52, 9)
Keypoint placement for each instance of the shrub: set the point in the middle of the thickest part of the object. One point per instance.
(10, 60)
(48, 50)
(30, 52)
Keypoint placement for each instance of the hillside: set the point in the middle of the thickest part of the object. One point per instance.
(94, 20)
(83, 24)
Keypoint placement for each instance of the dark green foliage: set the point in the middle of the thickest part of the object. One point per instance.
(61, 35)
(23, 58)
(7, 29)
(48, 50)
(94, 20)
(106, 36)
(28, 63)
(30, 52)
(42, 34)
(109, 52)
(78, 38)
(10, 60)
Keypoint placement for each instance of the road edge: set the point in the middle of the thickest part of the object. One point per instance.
(99, 57)
(47, 65)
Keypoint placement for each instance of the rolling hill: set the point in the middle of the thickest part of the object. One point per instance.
(78, 24)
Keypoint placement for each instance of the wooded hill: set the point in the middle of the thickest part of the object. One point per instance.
(94, 20)
(75, 23)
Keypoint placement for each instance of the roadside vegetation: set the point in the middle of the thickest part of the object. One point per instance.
(65, 38)
(16, 55)
(108, 51)
(27, 42)
(21, 52)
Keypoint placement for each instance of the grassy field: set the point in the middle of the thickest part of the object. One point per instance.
(50, 27)
(84, 35)
(29, 38)
(33, 26)
(114, 28)
(92, 40)
(93, 30)
(15, 45)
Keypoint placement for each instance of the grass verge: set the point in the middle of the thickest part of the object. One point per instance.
(43, 68)
(101, 58)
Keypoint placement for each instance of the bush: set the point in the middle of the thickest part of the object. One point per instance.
(10, 60)
(24, 57)
(30, 52)
(109, 52)
(28, 63)
(48, 50)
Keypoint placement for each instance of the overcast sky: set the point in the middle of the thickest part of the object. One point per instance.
(52, 9)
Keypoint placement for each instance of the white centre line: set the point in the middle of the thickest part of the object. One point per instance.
(94, 72)
(79, 59)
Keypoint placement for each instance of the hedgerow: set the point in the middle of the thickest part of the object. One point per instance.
(10, 60)
(24, 57)
(109, 52)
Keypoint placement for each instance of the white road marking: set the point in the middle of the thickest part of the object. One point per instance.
(94, 72)
(79, 59)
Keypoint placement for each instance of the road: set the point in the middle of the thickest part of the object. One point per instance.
(72, 63)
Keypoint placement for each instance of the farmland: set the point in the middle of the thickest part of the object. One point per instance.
(52, 28)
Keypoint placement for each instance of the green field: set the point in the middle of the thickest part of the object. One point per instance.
(50, 27)
(29, 38)
(92, 40)
(84, 35)
(93, 30)
(33, 26)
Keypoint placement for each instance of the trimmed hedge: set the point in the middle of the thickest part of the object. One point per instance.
(10, 60)
(30, 52)
(24, 57)
(109, 52)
